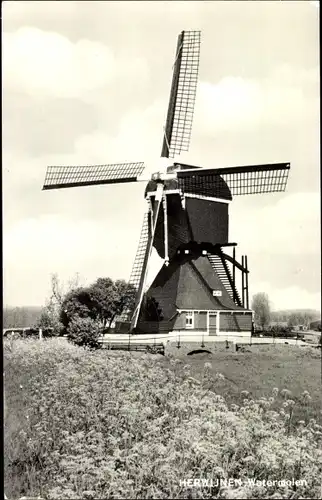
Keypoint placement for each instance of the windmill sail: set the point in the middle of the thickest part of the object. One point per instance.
(182, 96)
(147, 255)
(140, 253)
(58, 177)
(254, 179)
(138, 261)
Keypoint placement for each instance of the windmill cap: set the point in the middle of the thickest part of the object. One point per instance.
(168, 184)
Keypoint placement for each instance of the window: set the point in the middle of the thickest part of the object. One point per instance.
(189, 319)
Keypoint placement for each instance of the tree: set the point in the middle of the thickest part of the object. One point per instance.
(51, 314)
(103, 296)
(125, 295)
(77, 303)
(261, 308)
(110, 299)
(103, 301)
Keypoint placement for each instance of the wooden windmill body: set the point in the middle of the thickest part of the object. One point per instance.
(186, 223)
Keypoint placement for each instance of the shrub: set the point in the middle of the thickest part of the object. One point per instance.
(84, 332)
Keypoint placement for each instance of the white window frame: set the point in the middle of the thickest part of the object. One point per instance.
(190, 319)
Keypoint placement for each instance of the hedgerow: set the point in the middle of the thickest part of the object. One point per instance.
(96, 424)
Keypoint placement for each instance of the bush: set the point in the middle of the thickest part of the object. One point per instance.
(84, 332)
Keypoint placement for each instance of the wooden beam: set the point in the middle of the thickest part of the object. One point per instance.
(234, 273)
(165, 217)
(230, 259)
(246, 278)
(243, 282)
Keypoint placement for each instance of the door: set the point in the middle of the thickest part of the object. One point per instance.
(212, 323)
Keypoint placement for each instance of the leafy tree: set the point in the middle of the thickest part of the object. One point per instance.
(103, 301)
(261, 308)
(110, 299)
(77, 304)
(125, 295)
(103, 296)
(84, 332)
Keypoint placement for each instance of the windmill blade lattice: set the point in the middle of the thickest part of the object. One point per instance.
(245, 180)
(58, 177)
(140, 253)
(138, 261)
(183, 95)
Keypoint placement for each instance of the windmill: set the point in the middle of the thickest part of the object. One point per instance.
(186, 222)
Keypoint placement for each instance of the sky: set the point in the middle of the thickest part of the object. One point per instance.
(88, 82)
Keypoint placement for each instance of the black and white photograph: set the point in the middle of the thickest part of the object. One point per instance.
(161, 250)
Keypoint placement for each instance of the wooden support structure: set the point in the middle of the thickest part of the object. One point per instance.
(234, 274)
(246, 279)
(243, 282)
(165, 213)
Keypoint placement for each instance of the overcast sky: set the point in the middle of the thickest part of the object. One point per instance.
(88, 82)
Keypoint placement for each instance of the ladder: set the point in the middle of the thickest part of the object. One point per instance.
(225, 277)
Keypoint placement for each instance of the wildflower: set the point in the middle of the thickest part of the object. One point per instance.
(306, 398)
(207, 366)
(285, 393)
(264, 403)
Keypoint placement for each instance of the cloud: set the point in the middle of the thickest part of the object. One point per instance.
(235, 103)
(44, 63)
(290, 226)
(138, 137)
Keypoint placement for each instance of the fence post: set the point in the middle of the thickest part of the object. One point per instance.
(40, 333)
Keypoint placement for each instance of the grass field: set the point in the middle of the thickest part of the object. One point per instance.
(261, 368)
(102, 424)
